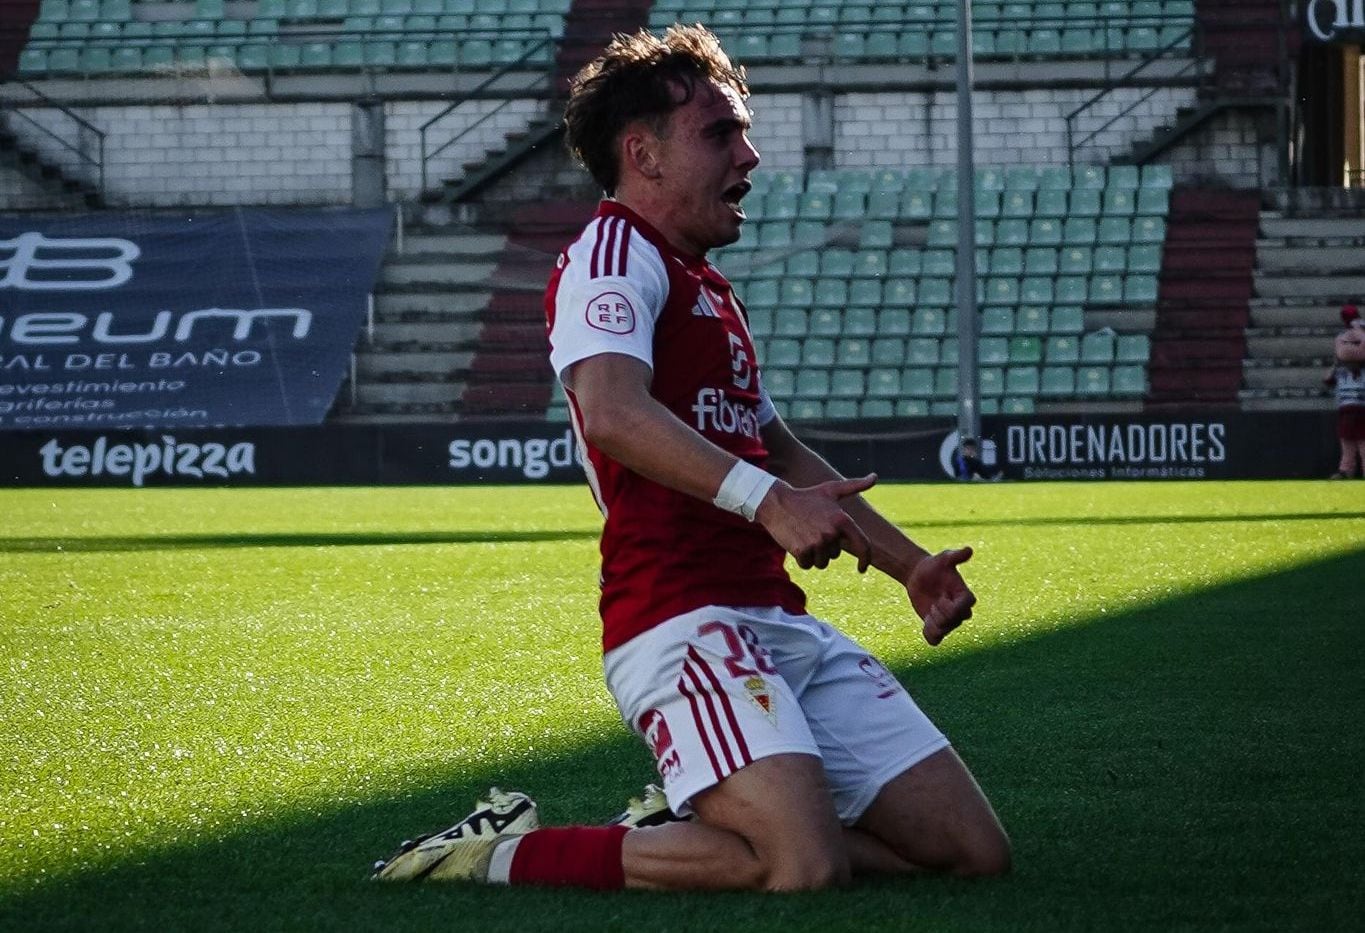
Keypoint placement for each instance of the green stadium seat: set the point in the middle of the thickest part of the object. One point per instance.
(894, 322)
(922, 351)
(1017, 204)
(1076, 260)
(784, 351)
(1067, 319)
(814, 206)
(1079, 231)
(990, 380)
(1128, 381)
(935, 292)
(1133, 348)
(851, 205)
(1072, 289)
(761, 294)
(917, 205)
(1084, 202)
(126, 60)
(805, 264)
(870, 263)
(33, 61)
(95, 59)
(1123, 177)
(883, 204)
(1002, 290)
(1051, 202)
(942, 233)
(1092, 381)
(945, 203)
(1157, 176)
(860, 321)
(904, 262)
(1031, 320)
(1149, 230)
(1098, 347)
(876, 408)
(158, 58)
(1105, 290)
(888, 351)
(812, 383)
(808, 409)
(1044, 42)
(795, 293)
(1111, 259)
(1153, 202)
(1140, 289)
(64, 60)
(817, 351)
(865, 293)
(945, 382)
(83, 11)
(899, 293)
(993, 351)
(54, 11)
(316, 55)
(811, 233)
(1041, 260)
(917, 383)
(1036, 290)
(1042, 231)
(997, 321)
(780, 383)
(1016, 406)
(1062, 349)
(1080, 41)
(929, 321)
(790, 322)
(1025, 350)
(1021, 381)
(1057, 382)
(836, 263)
(1144, 257)
(876, 234)
(853, 352)
(912, 44)
(940, 262)
(1092, 177)
(948, 354)
(826, 322)
(1115, 230)
(1119, 202)
(762, 321)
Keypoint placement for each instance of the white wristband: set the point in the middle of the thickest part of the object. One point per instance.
(743, 489)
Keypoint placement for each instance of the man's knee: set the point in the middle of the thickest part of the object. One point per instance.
(986, 853)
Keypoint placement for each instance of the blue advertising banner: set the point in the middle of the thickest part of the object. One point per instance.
(239, 318)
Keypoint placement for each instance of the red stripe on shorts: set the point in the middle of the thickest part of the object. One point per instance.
(725, 702)
(721, 739)
(701, 725)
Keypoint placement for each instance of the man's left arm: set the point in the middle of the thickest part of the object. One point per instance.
(935, 587)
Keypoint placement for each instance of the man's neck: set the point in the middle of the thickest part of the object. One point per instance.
(657, 215)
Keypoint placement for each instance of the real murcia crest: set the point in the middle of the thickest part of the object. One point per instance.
(762, 697)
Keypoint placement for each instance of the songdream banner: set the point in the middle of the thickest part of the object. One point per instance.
(238, 318)
(1211, 445)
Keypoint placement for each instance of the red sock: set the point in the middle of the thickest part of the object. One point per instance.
(578, 856)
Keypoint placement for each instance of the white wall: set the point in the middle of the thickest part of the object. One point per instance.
(230, 154)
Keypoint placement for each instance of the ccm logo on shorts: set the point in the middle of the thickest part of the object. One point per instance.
(611, 312)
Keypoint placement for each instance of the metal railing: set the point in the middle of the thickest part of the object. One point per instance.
(82, 126)
(1195, 66)
(543, 78)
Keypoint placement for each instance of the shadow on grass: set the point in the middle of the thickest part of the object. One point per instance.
(1190, 763)
(161, 542)
(158, 542)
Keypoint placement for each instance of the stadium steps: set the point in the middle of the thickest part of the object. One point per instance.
(1244, 38)
(67, 191)
(418, 351)
(1308, 266)
(510, 375)
(1199, 341)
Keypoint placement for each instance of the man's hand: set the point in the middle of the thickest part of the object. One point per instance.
(810, 525)
(939, 594)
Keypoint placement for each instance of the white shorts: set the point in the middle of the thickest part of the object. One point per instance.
(713, 690)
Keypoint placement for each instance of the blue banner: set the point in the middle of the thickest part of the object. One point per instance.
(239, 318)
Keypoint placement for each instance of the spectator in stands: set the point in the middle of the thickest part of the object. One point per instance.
(968, 465)
(1347, 377)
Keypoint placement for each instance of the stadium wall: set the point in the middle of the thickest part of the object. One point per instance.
(1187, 445)
(301, 153)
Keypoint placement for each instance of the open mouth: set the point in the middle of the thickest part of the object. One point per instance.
(735, 193)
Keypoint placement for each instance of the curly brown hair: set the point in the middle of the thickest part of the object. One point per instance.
(637, 77)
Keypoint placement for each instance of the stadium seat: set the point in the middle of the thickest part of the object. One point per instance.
(1128, 381)
(812, 383)
(1062, 349)
(1133, 348)
(1021, 381)
(1057, 382)
(1031, 320)
(922, 351)
(1025, 350)
(894, 322)
(1092, 381)
(888, 351)
(1067, 319)
(1098, 347)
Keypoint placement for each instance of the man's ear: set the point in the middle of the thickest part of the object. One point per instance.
(639, 151)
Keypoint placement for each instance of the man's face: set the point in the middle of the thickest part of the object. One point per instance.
(705, 158)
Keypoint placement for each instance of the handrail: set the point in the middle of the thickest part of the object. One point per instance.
(97, 161)
(1124, 80)
(474, 93)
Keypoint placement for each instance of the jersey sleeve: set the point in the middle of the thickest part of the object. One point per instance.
(612, 289)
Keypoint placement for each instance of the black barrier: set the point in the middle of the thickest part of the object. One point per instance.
(1271, 445)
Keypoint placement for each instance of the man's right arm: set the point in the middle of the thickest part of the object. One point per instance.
(624, 421)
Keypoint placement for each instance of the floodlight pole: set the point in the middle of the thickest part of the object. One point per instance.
(968, 383)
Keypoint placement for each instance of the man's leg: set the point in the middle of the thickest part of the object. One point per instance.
(769, 826)
(931, 817)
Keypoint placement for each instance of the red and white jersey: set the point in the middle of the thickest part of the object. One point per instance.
(621, 288)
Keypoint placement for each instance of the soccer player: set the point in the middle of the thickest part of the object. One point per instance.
(795, 757)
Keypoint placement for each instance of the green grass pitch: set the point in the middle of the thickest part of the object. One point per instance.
(218, 707)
